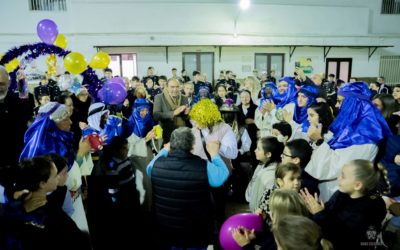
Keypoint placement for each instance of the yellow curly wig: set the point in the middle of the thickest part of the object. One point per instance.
(205, 113)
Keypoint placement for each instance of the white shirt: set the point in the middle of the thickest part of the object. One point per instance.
(327, 163)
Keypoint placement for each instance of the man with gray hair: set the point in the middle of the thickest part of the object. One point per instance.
(170, 109)
(182, 185)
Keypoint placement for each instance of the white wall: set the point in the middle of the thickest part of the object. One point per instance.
(234, 58)
(90, 23)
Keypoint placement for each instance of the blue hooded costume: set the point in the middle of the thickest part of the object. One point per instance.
(141, 126)
(280, 100)
(44, 137)
(359, 121)
(300, 113)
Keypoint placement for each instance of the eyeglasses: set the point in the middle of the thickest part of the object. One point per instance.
(291, 156)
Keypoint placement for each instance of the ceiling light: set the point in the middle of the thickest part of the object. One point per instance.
(244, 4)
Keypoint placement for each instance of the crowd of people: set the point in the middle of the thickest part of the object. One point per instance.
(308, 155)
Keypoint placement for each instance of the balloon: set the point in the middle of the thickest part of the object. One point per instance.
(75, 63)
(117, 80)
(100, 60)
(47, 31)
(112, 93)
(246, 220)
(12, 65)
(1, 56)
(61, 41)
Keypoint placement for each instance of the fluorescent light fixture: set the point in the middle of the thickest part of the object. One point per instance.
(244, 4)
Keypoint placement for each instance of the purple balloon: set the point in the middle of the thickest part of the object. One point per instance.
(247, 220)
(47, 31)
(112, 93)
(117, 80)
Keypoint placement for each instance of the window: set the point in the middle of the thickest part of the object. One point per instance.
(200, 61)
(48, 5)
(267, 62)
(390, 7)
(340, 67)
(124, 65)
(388, 68)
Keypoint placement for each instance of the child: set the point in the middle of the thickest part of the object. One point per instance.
(295, 232)
(287, 177)
(61, 198)
(282, 131)
(35, 224)
(267, 152)
(299, 152)
(282, 203)
(320, 114)
(118, 193)
(352, 217)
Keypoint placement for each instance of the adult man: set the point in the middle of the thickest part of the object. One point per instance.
(182, 191)
(150, 75)
(383, 88)
(14, 116)
(198, 81)
(170, 109)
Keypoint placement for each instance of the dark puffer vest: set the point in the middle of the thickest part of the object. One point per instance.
(182, 199)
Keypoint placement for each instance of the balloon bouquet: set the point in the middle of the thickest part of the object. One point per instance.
(113, 91)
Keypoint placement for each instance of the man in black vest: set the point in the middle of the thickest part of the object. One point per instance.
(182, 191)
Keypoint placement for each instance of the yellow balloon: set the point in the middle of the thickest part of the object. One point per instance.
(61, 41)
(1, 56)
(100, 60)
(75, 63)
(12, 65)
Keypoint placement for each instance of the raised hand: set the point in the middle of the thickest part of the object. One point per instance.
(243, 236)
(314, 205)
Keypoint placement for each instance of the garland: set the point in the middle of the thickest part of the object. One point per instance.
(33, 51)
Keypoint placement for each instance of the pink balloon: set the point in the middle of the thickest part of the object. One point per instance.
(47, 31)
(247, 220)
(112, 93)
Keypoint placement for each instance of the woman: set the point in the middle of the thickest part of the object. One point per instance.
(142, 141)
(387, 105)
(50, 133)
(247, 110)
(358, 117)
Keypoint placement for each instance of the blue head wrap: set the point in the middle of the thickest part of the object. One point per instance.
(44, 137)
(268, 93)
(300, 113)
(204, 92)
(141, 126)
(289, 95)
(359, 121)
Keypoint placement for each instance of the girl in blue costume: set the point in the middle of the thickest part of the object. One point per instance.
(141, 118)
(140, 146)
(50, 133)
(274, 98)
(357, 130)
(297, 116)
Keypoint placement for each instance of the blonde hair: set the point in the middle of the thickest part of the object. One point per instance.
(140, 92)
(370, 175)
(285, 202)
(295, 232)
(255, 85)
